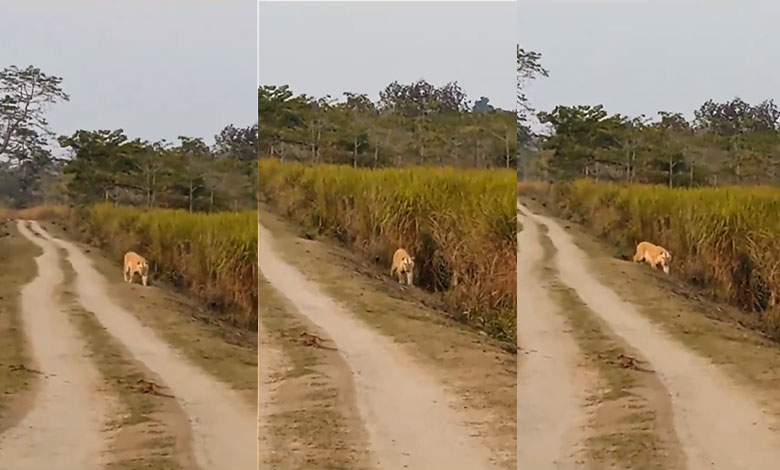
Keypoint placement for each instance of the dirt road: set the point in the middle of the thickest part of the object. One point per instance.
(223, 425)
(411, 422)
(63, 429)
(719, 424)
(551, 389)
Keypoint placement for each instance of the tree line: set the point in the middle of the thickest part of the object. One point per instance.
(410, 124)
(108, 166)
(731, 142)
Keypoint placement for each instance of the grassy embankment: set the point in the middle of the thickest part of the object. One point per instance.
(725, 240)
(458, 224)
(211, 256)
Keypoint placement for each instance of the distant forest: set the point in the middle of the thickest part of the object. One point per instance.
(414, 124)
(733, 142)
(108, 166)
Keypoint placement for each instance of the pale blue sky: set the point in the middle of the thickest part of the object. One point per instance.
(157, 69)
(647, 56)
(321, 48)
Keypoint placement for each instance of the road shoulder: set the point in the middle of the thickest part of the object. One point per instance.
(471, 366)
(719, 332)
(224, 352)
(18, 379)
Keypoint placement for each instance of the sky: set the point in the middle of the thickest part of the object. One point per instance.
(157, 69)
(322, 48)
(639, 57)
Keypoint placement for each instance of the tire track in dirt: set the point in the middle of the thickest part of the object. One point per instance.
(410, 421)
(63, 429)
(268, 359)
(311, 418)
(719, 424)
(551, 389)
(224, 427)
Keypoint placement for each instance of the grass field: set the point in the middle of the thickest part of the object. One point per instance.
(458, 224)
(726, 239)
(212, 256)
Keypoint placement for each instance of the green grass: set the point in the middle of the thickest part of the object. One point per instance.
(458, 224)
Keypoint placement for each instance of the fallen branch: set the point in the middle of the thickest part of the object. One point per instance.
(311, 340)
(147, 386)
(23, 368)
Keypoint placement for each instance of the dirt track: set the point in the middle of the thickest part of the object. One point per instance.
(410, 421)
(223, 425)
(63, 430)
(551, 389)
(719, 424)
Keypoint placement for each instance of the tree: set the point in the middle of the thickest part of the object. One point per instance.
(278, 111)
(584, 140)
(233, 142)
(101, 164)
(529, 68)
(232, 184)
(25, 95)
(357, 115)
(737, 117)
(190, 162)
(410, 123)
(673, 129)
(501, 128)
(196, 147)
(482, 105)
(726, 143)
(734, 121)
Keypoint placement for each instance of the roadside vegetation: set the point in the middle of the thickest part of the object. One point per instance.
(706, 189)
(188, 207)
(458, 224)
(421, 168)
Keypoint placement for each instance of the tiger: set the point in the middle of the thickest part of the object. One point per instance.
(654, 255)
(403, 266)
(135, 263)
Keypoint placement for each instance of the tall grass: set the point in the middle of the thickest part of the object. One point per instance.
(212, 256)
(40, 212)
(726, 239)
(459, 225)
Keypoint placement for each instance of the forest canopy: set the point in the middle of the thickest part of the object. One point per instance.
(414, 124)
(37, 166)
(731, 142)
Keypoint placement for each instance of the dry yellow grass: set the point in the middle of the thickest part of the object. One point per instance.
(459, 225)
(724, 239)
(212, 256)
(41, 212)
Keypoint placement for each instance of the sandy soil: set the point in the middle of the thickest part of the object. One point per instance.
(223, 423)
(720, 424)
(267, 362)
(410, 421)
(17, 383)
(63, 429)
(551, 386)
(480, 372)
